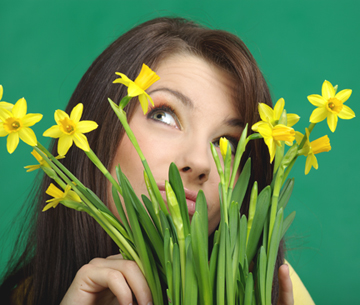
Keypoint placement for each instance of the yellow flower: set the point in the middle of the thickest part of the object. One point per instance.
(70, 129)
(272, 116)
(273, 135)
(41, 161)
(311, 149)
(330, 105)
(59, 196)
(137, 88)
(3, 104)
(15, 124)
(223, 146)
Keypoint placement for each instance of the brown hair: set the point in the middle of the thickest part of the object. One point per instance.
(62, 240)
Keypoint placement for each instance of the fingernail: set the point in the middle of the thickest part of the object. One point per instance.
(150, 303)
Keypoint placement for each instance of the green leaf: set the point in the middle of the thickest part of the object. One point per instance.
(176, 275)
(199, 246)
(287, 223)
(262, 208)
(150, 209)
(121, 212)
(230, 291)
(249, 289)
(274, 247)
(233, 225)
(139, 241)
(285, 193)
(242, 240)
(177, 186)
(241, 185)
(191, 287)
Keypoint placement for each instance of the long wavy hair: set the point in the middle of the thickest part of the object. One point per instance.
(54, 245)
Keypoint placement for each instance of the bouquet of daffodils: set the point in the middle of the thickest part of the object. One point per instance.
(171, 252)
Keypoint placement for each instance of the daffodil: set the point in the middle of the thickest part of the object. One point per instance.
(137, 88)
(330, 105)
(41, 161)
(70, 129)
(310, 149)
(15, 124)
(59, 196)
(274, 135)
(223, 146)
(272, 116)
(3, 104)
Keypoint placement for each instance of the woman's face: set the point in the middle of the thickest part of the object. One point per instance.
(193, 106)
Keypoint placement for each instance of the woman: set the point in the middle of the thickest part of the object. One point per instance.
(207, 71)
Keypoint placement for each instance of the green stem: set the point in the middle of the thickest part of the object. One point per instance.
(94, 159)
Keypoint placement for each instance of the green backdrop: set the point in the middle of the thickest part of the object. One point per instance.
(46, 46)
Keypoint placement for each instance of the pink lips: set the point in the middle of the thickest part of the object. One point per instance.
(190, 197)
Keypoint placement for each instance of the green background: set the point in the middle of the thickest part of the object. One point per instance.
(47, 46)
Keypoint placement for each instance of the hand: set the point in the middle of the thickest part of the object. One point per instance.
(108, 281)
(286, 296)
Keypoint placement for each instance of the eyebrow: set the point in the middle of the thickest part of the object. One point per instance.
(233, 122)
(181, 97)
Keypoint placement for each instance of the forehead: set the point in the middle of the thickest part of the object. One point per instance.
(197, 78)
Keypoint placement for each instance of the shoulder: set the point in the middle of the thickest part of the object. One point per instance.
(301, 295)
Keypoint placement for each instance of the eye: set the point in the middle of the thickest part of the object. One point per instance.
(232, 141)
(164, 114)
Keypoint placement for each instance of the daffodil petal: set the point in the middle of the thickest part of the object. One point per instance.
(292, 119)
(266, 112)
(76, 113)
(53, 191)
(64, 144)
(20, 108)
(12, 142)
(318, 115)
(346, 113)
(53, 204)
(7, 106)
(146, 77)
(343, 95)
(36, 156)
(30, 168)
(123, 80)
(144, 103)
(278, 109)
(5, 114)
(3, 132)
(265, 130)
(60, 115)
(1, 91)
(316, 100)
(298, 137)
(81, 141)
(134, 89)
(327, 90)
(28, 136)
(73, 196)
(53, 132)
(332, 121)
(256, 126)
(86, 126)
(31, 119)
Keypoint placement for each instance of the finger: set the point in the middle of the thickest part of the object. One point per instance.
(132, 274)
(92, 279)
(286, 296)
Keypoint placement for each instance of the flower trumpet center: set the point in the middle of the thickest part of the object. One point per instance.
(320, 145)
(334, 105)
(12, 125)
(67, 126)
(283, 133)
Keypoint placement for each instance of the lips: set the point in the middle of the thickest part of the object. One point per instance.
(189, 195)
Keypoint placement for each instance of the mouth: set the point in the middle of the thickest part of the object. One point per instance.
(189, 195)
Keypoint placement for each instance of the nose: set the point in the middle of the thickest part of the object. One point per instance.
(194, 162)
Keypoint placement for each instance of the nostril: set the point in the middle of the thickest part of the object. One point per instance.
(201, 177)
(186, 169)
